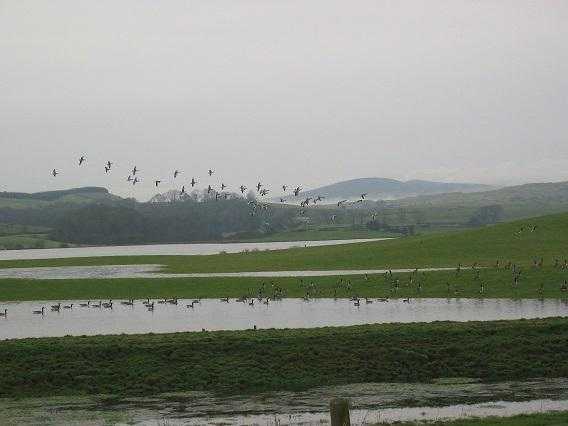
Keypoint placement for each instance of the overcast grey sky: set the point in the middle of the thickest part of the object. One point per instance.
(291, 91)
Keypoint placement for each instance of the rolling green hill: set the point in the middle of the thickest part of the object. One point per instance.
(385, 189)
(518, 202)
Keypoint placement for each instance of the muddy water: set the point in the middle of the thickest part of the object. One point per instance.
(167, 249)
(371, 403)
(287, 313)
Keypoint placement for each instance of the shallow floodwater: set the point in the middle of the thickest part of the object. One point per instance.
(213, 314)
(153, 271)
(167, 249)
(370, 403)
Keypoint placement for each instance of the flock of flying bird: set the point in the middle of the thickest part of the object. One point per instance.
(134, 179)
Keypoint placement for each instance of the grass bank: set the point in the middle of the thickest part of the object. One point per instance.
(497, 283)
(543, 419)
(514, 241)
(258, 361)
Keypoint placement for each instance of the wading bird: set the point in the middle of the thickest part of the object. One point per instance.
(82, 160)
(54, 173)
(210, 172)
(176, 173)
(157, 182)
(193, 182)
(39, 312)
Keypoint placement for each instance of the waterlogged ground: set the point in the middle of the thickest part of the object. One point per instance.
(371, 403)
(154, 271)
(167, 249)
(213, 314)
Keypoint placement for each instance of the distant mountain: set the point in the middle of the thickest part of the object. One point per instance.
(390, 189)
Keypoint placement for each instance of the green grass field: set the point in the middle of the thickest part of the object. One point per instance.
(485, 246)
(544, 419)
(344, 233)
(466, 284)
(258, 361)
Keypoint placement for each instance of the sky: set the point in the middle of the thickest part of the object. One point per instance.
(301, 92)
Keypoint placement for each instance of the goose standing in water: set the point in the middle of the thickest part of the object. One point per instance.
(82, 160)
(85, 305)
(41, 312)
(4, 314)
(56, 308)
(54, 173)
(210, 172)
(243, 189)
(193, 182)
(176, 173)
(68, 306)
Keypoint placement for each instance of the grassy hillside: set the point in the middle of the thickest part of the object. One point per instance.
(521, 201)
(20, 200)
(505, 242)
(382, 188)
(265, 360)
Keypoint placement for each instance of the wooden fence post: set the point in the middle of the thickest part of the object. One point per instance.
(339, 411)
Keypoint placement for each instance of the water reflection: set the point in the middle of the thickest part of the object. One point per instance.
(286, 313)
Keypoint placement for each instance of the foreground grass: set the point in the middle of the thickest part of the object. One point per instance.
(497, 283)
(542, 419)
(257, 361)
(485, 246)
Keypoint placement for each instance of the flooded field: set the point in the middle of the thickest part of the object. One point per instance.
(153, 271)
(371, 403)
(210, 314)
(167, 249)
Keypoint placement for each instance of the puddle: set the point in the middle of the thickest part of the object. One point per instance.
(370, 403)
